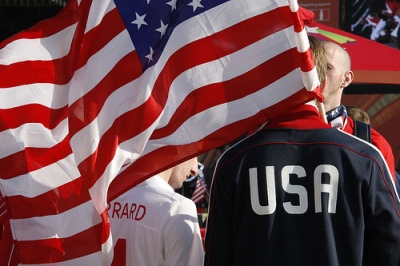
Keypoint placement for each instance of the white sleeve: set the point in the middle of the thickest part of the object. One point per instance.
(183, 243)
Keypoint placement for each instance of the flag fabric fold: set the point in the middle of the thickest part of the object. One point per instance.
(106, 94)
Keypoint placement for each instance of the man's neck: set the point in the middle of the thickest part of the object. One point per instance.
(166, 175)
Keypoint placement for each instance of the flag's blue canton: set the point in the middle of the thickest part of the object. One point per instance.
(150, 22)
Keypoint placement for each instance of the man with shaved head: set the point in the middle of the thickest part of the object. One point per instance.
(338, 74)
(338, 77)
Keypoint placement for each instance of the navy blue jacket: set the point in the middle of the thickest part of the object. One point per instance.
(306, 196)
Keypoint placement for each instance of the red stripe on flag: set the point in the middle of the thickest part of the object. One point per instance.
(305, 57)
(32, 113)
(28, 72)
(61, 249)
(53, 202)
(31, 159)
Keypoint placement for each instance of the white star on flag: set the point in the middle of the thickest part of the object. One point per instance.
(172, 3)
(150, 55)
(195, 4)
(162, 28)
(139, 21)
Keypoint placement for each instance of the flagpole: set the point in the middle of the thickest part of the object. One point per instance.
(321, 109)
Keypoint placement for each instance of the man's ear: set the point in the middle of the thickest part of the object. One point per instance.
(348, 78)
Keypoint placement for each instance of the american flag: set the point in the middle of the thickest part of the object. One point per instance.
(106, 94)
(201, 186)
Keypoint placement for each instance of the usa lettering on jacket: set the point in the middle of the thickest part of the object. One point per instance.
(130, 211)
(299, 172)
